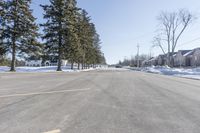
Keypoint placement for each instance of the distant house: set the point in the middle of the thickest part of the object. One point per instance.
(33, 63)
(52, 61)
(187, 58)
(195, 59)
(162, 60)
(183, 58)
(145, 63)
(153, 61)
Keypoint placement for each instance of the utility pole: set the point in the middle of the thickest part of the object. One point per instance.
(138, 53)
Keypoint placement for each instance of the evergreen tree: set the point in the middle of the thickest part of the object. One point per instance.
(20, 30)
(84, 31)
(69, 33)
(72, 39)
(2, 13)
(97, 50)
(91, 51)
(89, 41)
(2, 22)
(53, 28)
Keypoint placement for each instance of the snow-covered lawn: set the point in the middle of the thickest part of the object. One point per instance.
(41, 69)
(193, 73)
(53, 69)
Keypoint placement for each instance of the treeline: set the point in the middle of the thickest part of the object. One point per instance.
(68, 33)
(134, 61)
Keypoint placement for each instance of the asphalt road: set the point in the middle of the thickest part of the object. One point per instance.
(98, 102)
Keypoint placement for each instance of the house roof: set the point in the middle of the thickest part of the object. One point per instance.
(196, 49)
(183, 52)
(162, 55)
(189, 53)
(165, 55)
(152, 59)
(174, 55)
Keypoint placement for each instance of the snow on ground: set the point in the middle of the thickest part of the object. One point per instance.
(193, 73)
(41, 69)
(53, 69)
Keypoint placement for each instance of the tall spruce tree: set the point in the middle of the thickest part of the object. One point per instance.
(2, 22)
(72, 39)
(89, 41)
(20, 30)
(91, 51)
(2, 13)
(97, 49)
(69, 34)
(56, 27)
(83, 33)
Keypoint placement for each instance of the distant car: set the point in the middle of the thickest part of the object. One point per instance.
(118, 66)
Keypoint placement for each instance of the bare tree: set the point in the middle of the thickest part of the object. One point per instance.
(173, 25)
(157, 42)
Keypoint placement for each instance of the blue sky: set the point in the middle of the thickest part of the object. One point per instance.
(124, 23)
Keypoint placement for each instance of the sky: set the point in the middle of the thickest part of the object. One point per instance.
(123, 24)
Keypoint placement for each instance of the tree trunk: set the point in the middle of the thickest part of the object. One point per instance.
(60, 54)
(78, 66)
(82, 66)
(13, 56)
(172, 59)
(13, 62)
(72, 65)
(168, 59)
(59, 61)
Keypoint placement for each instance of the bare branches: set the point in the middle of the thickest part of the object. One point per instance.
(173, 26)
(185, 19)
(157, 42)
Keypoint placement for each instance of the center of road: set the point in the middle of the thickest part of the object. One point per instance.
(42, 93)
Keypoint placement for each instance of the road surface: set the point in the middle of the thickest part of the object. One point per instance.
(98, 102)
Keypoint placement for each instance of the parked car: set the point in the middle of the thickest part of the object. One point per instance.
(118, 66)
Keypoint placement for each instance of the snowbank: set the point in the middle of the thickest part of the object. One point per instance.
(180, 72)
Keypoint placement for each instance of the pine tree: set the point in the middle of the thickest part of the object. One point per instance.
(20, 30)
(72, 40)
(97, 49)
(84, 31)
(89, 41)
(55, 28)
(69, 34)
(2, 22)
(91, 51)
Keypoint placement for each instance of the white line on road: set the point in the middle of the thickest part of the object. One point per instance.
(42, 93)
(53, 131)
